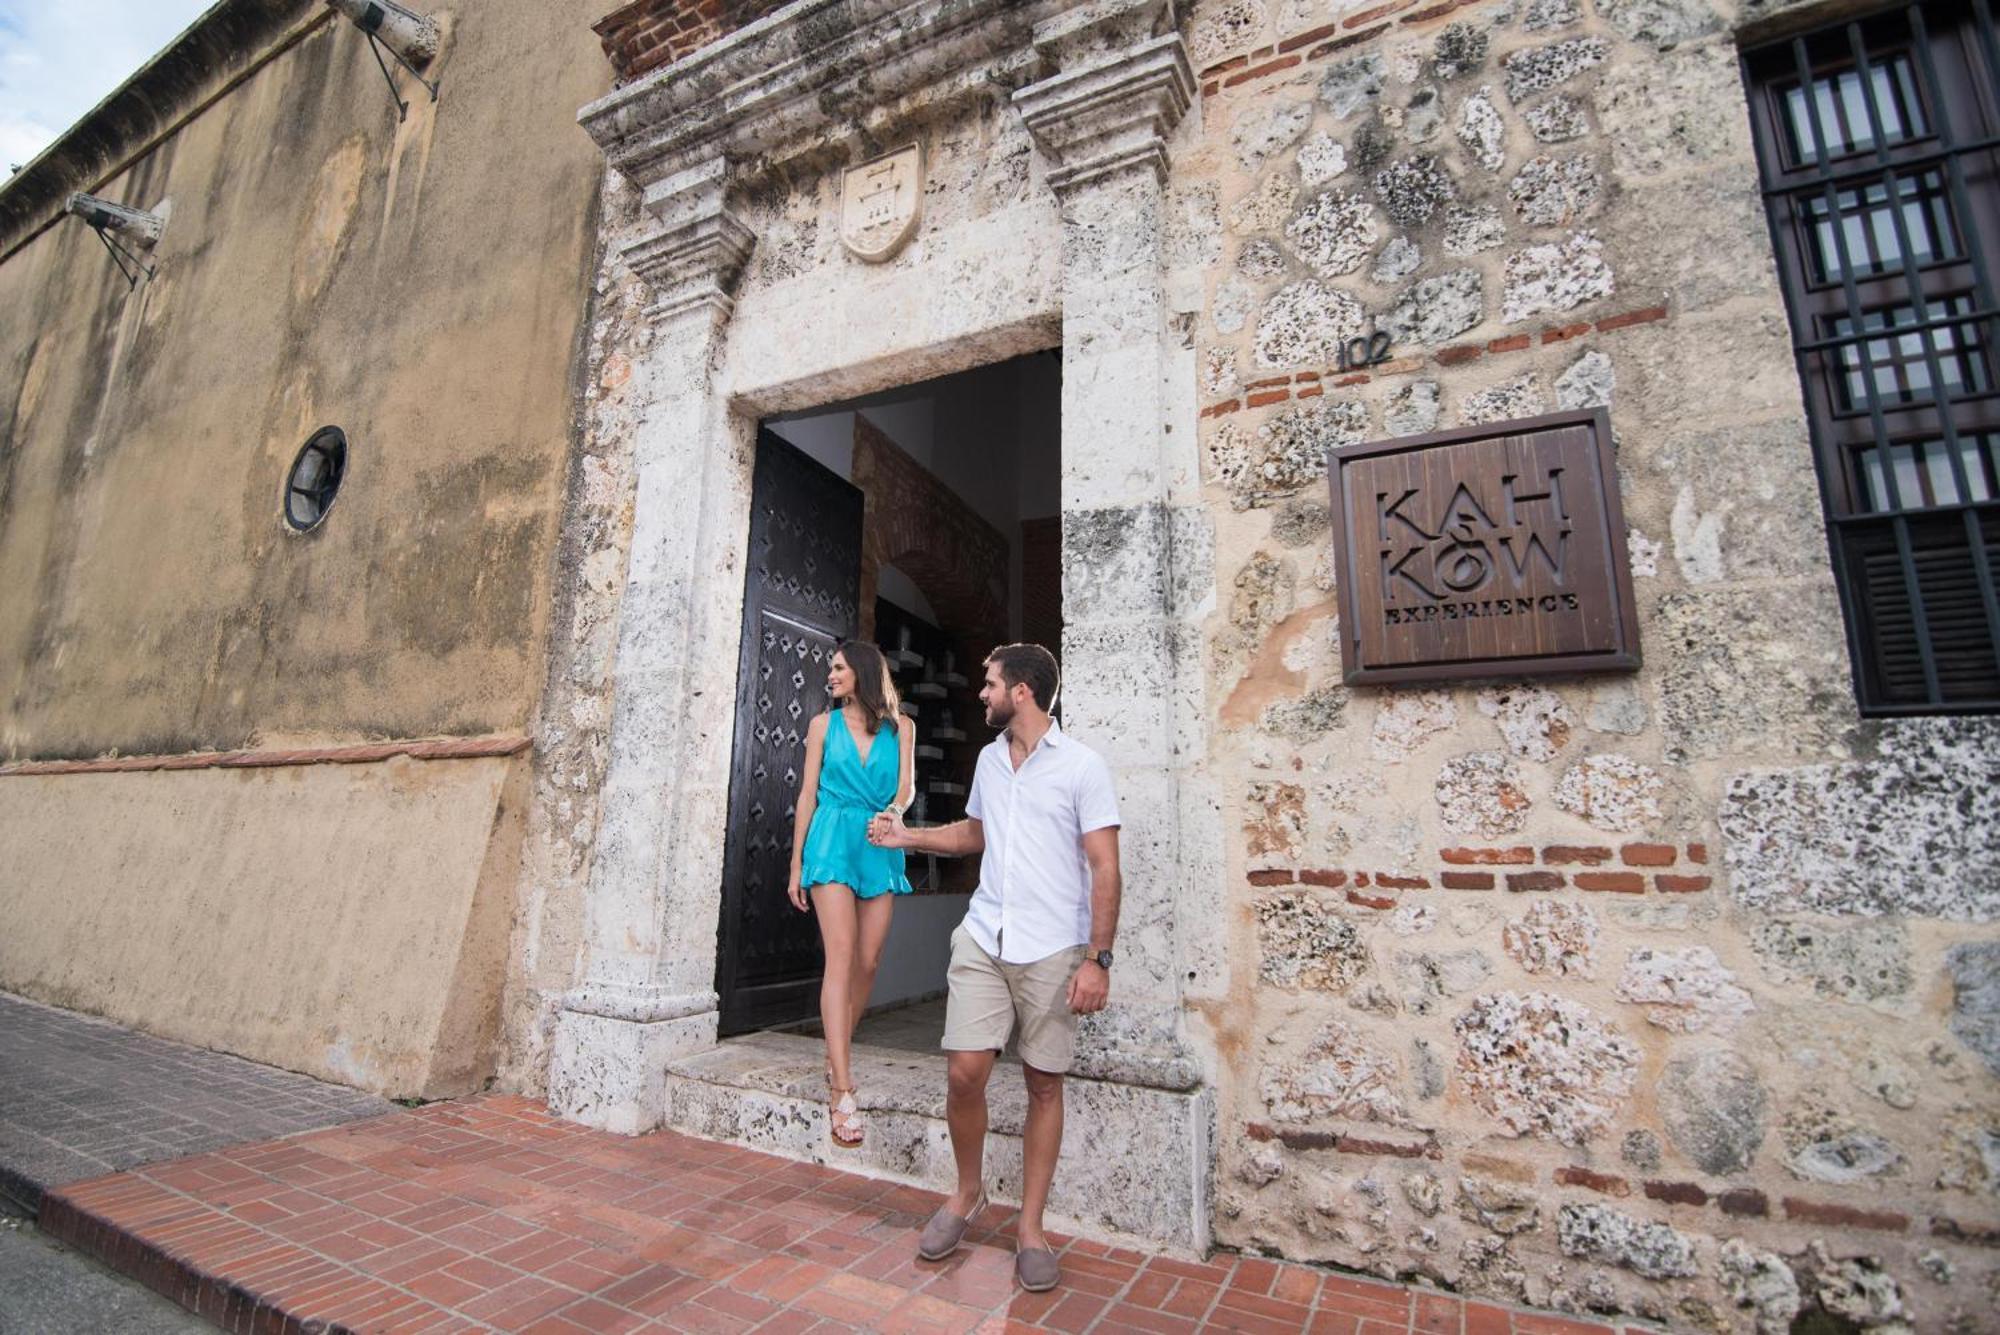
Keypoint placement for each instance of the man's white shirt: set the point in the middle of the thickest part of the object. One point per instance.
(1034, 882)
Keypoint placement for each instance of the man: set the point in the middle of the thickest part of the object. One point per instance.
(1035, 946)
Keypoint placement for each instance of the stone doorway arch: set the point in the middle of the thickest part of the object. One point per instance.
(1055, 223)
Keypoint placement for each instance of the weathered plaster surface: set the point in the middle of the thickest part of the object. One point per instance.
(322, 264)
(360, 936)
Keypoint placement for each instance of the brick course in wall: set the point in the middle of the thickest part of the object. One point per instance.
(1452, 875)
(642, 37)
(1311, 384)
(1318, 43)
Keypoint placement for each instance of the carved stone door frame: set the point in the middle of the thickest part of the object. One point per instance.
(1099, 88)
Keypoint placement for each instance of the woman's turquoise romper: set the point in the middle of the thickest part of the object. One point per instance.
(850, 794)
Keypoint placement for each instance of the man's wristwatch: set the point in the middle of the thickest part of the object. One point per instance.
(1102, 959)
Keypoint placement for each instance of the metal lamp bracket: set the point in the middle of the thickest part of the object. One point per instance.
(128, 264)
(126, 232)
(376, 45)
(399, 34)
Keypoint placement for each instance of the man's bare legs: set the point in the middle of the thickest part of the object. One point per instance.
(1040, 1147)
(965, 1114)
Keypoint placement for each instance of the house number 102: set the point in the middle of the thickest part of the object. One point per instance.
(1368, 350)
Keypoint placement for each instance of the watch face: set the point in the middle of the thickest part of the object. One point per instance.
(1103, 958)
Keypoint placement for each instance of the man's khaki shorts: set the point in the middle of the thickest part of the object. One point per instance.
(987, 995)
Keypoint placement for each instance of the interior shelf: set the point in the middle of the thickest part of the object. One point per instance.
(924, 661)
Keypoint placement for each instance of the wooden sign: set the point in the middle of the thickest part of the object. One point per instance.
(1489, 551)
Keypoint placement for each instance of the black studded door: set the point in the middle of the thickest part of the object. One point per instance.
(800, 594)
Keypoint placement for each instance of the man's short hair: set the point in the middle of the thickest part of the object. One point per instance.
(1028, 665)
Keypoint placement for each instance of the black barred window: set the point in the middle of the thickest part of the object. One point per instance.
(1878, 141)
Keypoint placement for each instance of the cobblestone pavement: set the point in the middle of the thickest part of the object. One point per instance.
(48, 1289)
(81, 1097)
(491, 1214)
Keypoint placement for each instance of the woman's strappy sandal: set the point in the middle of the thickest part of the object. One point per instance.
(844, 1116)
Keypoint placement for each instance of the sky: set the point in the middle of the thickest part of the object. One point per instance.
(58, 58)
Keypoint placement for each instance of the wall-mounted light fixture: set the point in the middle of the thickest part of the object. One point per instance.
(127, 233)
(410, 38)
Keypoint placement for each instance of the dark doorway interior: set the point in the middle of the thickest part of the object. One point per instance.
(926, 520)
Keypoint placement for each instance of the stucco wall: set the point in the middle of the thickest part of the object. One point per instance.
(348, 921)
(419, 285)
(1668, 993)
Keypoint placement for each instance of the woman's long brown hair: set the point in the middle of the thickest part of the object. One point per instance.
(874, 688)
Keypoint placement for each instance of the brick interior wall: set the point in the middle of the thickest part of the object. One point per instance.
(916, 523)
(913, 521)
(1041, 583)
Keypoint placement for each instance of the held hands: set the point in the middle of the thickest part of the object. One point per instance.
(1089, 988)
(886, 830)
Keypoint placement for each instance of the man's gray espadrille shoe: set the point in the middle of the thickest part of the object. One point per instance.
(1036, 1268)
(946, 1231)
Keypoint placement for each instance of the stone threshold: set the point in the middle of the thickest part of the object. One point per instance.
(793, 1066)
(1133, 1166)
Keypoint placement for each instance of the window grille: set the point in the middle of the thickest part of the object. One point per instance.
(1878, 147)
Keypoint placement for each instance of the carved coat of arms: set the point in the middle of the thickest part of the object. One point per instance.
(881, 202)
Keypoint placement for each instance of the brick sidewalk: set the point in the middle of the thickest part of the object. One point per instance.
(492, 1214)
(81, 1097)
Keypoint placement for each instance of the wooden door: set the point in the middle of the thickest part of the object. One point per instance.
(800, 594)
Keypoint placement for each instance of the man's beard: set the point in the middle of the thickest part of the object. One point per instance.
(1001, 715)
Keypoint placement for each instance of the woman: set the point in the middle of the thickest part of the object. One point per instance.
(860, 758)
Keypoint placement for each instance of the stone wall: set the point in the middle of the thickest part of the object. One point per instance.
(573, 721)
(1670, 993)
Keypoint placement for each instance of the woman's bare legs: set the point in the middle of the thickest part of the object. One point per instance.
(834, 906)
(872, 936)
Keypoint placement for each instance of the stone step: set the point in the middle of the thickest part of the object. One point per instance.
(1133, 1160)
